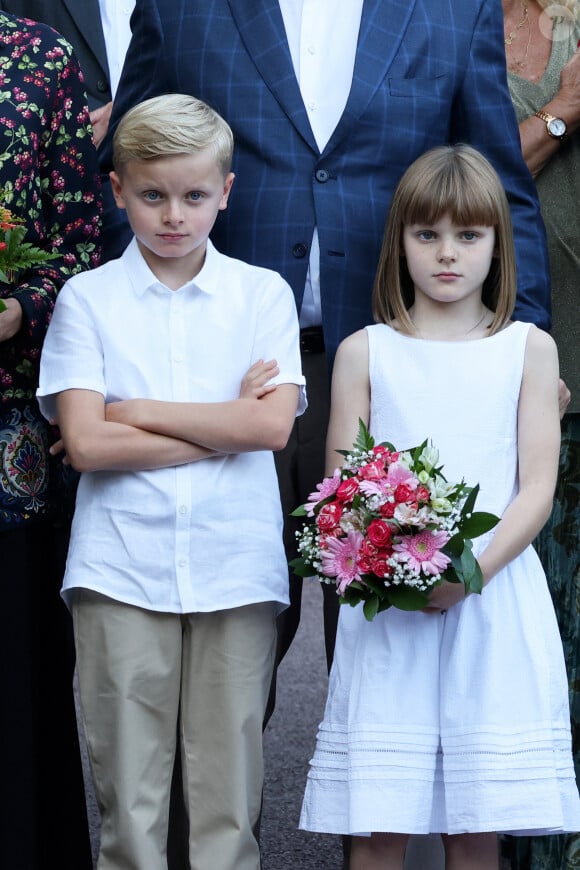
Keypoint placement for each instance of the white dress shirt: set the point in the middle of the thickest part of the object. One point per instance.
(322, 36)
(115, 16)
(198, 537)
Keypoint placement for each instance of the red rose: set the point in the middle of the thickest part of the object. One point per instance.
(364, 565)
(387, 509)
(422, 494)
(372, 471)
(347, 490)
(404, 493)
(329, 516)
(379, 566)
(379, 533)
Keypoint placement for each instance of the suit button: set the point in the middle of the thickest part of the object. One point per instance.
(102, 86)
(300, 250)
(322, 175)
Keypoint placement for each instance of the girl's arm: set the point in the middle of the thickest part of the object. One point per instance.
(350, 397)
(94, 444)
(237, 426)
(538, 452)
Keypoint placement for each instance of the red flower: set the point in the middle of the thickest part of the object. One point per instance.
(347, 489)
(379, 566)
(404, 493)
(379, 533)
(422, 495)
(329, 516)
(387, 509)
(372, 470)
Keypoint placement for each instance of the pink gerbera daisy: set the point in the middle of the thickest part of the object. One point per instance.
(422, 552)
(323, 490)
(340, 559)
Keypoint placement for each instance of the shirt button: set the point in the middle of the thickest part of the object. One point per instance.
(178, 358)
(311, 106)
(102, 86)
(183, 509)
(300, 250)
(311, 49)
(322, 175)
(182, 563)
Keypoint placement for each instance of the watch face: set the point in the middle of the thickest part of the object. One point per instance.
(557, 128)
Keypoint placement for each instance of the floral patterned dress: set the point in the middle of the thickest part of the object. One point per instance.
(49, 178)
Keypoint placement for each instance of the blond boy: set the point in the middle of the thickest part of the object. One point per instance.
(176, 569)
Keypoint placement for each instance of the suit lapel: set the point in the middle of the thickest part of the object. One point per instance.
(383, 25)
(261, 28)
(87, 17)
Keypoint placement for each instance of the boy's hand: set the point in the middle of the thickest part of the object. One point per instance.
(255, 381)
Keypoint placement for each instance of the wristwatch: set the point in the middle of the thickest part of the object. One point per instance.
(556, 127)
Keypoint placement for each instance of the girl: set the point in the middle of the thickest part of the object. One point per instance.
(454, 720)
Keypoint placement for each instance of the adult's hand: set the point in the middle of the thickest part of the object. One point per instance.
(564, 396)
(569, 91)
(100, 122)
(10, 319)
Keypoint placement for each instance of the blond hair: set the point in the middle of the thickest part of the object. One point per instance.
(172, 124)
(458, 181)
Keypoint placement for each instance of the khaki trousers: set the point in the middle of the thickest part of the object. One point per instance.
(140, 672)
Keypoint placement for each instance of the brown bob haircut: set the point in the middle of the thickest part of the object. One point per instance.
(458, 181)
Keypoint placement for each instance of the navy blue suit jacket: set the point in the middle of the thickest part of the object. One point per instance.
(427, 72)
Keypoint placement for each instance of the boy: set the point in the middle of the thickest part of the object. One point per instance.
(176, 569)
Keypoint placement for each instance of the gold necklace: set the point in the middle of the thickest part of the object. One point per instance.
(522, 22)
(516, 66)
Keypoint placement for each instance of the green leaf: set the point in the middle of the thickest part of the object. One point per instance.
(371, 608)
(470, 572)
(406, 598)
(479, 523)
(299, 511)
(364, 440)
(454, 546)
(470, 501)
(475, 584)
(301, 567)
(2, 305)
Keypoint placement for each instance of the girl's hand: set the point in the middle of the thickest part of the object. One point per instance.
(255, 382)
(445, 596)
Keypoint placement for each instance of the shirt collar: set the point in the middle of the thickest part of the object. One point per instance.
(142, 278)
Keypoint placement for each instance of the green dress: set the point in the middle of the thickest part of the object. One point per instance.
(558, 544)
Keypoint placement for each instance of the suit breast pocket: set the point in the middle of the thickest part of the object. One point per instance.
(435, 88)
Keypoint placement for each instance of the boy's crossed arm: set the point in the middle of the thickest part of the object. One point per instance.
(141, 434)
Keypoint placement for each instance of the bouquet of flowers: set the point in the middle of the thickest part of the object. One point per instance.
(387, 527)
(15, 253)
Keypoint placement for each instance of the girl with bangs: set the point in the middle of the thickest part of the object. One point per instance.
(453, 720)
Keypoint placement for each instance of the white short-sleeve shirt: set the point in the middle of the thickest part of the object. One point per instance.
(198, 537)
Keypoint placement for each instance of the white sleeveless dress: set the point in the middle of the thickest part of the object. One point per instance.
(458, 722)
